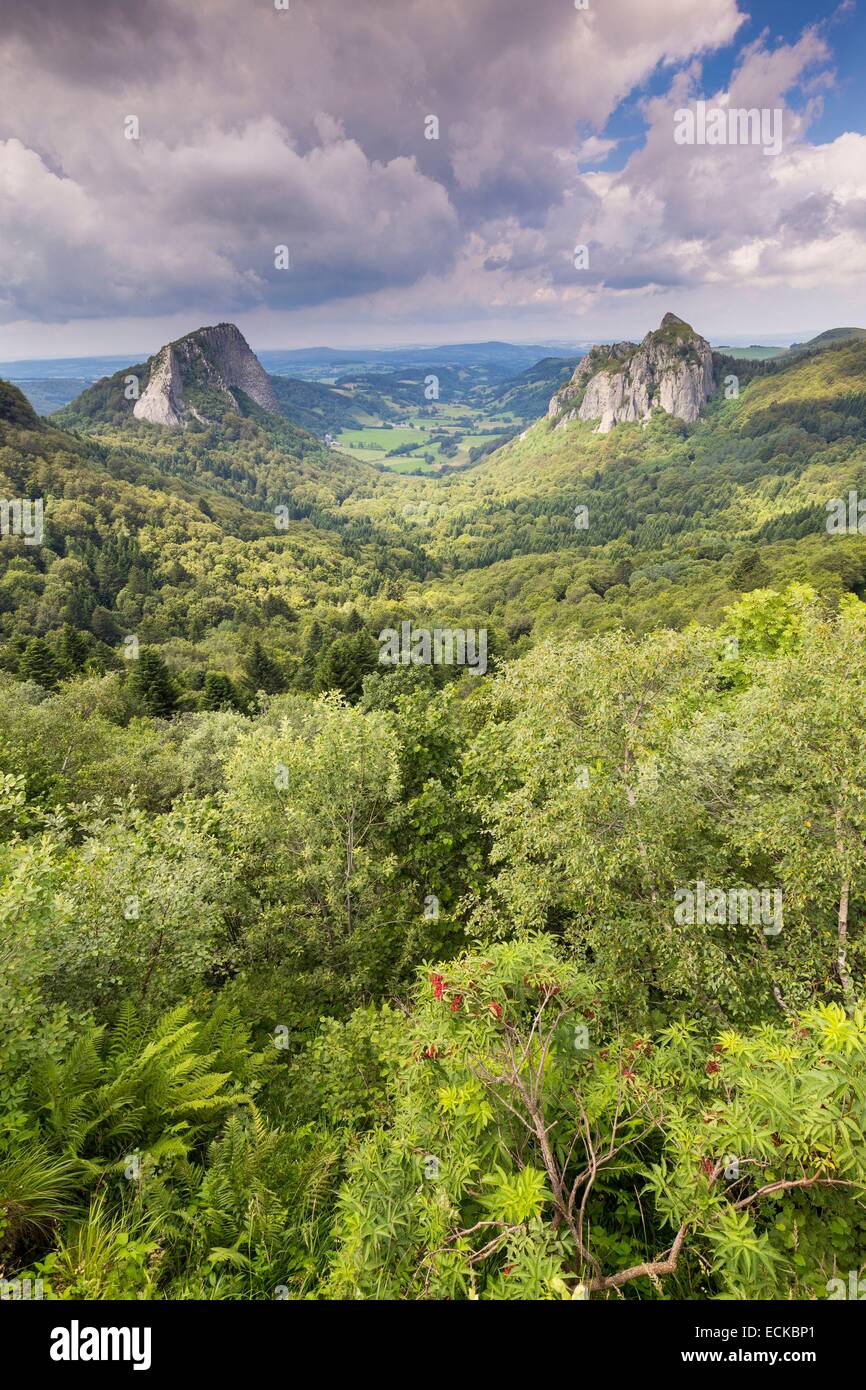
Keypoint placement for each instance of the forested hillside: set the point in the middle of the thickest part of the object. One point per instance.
(324, 980)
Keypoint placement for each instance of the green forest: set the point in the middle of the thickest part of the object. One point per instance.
(326, 980)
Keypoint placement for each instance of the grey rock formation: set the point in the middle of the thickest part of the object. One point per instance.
(161, 402)
(597, 360)
(672, 368)
(196, 378)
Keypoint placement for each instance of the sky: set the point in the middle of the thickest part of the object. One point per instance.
(155, 157)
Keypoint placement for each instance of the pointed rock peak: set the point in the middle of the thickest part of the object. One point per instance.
(673, 329)
(217, 335)
(671, 369)
(673, 321)
(202, 375)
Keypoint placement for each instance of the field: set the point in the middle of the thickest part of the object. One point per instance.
(755, 353)
(426, 445)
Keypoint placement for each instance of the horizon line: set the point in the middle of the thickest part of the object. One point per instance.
(737, 340)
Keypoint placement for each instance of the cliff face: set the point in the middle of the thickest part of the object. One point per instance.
(197, 377)
(671, 368)
(596, 362)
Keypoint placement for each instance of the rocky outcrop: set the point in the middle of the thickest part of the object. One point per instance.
(199, 377)
(672, 369)
(597, 360)
(162, 399)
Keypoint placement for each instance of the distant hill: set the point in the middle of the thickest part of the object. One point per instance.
(44, 368)
(318, 408)
(828, 338)
(15, 409)
(513, 356)
(754, 353)
(358, 398)
(47, 394)
(104, 402)
(50, 383)
(527, 394)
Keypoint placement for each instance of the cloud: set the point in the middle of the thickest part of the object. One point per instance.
(306, 128)
(200, 224)
(732, 212)
(683, 217)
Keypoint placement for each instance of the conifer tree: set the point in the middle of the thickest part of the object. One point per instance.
(345, 663)
(39, 664)
(73, 649)
(218, 692)
(151, 683)
(261, 671)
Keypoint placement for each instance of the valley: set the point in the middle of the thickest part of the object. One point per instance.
(676, 512)
(412, 412)
(282, 725)
(432, 675)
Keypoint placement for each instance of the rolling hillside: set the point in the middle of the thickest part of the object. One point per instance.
(679, 520)
(226, 824)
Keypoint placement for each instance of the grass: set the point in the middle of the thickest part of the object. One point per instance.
(373, 444)
(752, 354)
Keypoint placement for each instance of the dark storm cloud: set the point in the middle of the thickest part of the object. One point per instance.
(106, 41)
(307, 128)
